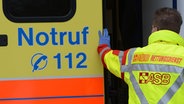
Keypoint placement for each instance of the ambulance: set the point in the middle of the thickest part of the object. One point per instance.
(48, 52)
(48, 48)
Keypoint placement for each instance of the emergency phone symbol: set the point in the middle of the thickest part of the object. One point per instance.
(39, 61)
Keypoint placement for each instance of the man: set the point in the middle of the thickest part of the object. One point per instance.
(154, 73)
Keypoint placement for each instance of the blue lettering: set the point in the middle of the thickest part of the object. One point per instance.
(62, 34)
(45, 35)
(85, 32)
(43, 38)
(77, 41)
(53, 34)
(28, 38)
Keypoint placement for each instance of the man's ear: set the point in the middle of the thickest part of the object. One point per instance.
(154, 28)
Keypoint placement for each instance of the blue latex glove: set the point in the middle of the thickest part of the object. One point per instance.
(104, 37)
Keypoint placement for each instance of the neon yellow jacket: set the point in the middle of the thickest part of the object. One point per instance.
(154, 73)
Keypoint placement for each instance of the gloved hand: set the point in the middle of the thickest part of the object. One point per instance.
(104, 37)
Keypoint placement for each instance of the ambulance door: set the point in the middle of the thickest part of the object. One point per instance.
(124, 21)
(48, 52)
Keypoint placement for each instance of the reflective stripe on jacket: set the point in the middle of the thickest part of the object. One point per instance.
(154, 73)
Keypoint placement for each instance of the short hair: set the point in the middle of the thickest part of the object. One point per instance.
(167, 19)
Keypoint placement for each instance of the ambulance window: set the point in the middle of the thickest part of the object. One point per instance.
(39, 10)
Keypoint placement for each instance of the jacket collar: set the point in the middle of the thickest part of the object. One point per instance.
(166, 36)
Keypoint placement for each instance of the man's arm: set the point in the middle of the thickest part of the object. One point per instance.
(111, 59)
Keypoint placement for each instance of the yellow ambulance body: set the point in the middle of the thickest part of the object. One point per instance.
(48, 60)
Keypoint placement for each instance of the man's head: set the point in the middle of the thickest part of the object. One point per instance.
(167, 19)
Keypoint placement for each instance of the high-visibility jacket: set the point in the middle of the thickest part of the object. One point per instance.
(154, 73)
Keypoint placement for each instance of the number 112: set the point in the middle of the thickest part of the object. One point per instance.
(81, 63)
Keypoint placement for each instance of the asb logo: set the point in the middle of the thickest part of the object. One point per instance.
(154, 78)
